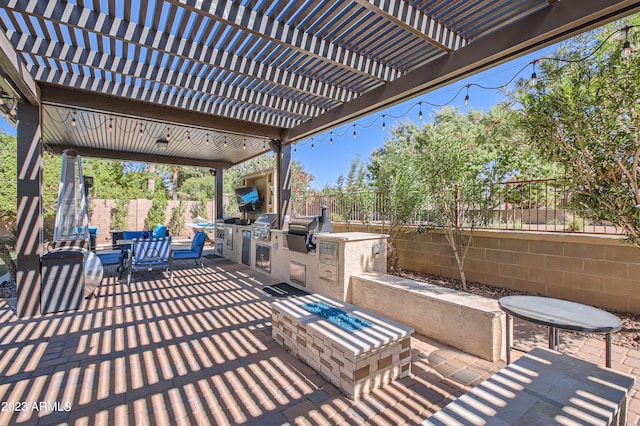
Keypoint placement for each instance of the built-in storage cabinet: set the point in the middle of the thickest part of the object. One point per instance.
(328, 255)
(246, 247)
(298, 273)
(263, 257)
(264, 181)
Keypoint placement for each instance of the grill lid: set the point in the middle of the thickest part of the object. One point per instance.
(266, 220)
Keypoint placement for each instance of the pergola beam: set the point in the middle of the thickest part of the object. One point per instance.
(57, 95)
(101, 24)
(232, 13)
(417, 23)
(21, 84)
(143, 158)
(560, 21)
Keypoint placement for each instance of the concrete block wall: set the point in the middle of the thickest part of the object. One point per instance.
(100, 215)
(597, 270)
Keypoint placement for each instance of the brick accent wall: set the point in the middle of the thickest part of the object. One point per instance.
(597, 270)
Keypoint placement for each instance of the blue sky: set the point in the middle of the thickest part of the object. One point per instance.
(327, 161)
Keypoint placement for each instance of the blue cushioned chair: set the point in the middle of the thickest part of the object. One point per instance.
(195, 252)
(159, 231)
(150, 253)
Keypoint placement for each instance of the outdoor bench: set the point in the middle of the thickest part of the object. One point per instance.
(543, 388)
(471, 323)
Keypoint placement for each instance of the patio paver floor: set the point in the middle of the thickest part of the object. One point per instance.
(200, 352)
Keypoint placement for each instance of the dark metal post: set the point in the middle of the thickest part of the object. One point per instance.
(30, 217)
(284, 176)
(219, 193)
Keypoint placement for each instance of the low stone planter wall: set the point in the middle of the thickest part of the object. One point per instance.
(356, 361)
(471, 323)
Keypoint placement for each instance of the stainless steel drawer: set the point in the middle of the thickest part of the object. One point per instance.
(329, 272)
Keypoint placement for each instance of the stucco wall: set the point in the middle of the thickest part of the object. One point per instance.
(596, 270)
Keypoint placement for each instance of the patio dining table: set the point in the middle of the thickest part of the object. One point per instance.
(558, 314)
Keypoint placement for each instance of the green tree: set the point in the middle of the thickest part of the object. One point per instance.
(176, 222)
(397, 179)
(584, 115)
(455, 180)
(157, 212)
(355, 195)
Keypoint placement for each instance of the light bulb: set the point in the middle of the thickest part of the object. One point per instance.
(312, 145)
(384, 125)
(420, 114)
(626, 49)
(110, 125)
(466, 100)
(354, 131)
(534, 79)
(73, 121)
(244, 145)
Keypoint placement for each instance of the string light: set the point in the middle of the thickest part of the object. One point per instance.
(111, 124)
(420, 111)
(141, 130)
(354, 131)
(384, 125)
(295, 150)
(534, 76)
(466, 97)
(626, 46)
(73, 119)
(207, 142)
(331, 139)
(225, 141)
(168, 134)
(244, 145)
(189, 137)
(312, 146)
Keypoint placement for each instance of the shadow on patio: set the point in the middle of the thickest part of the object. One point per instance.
(197, 352)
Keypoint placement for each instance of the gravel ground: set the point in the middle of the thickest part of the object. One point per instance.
(628, 336)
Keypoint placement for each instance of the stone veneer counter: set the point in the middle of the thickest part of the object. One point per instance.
(349, 236)
(356, 361)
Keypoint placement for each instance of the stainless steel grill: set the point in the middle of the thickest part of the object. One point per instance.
(261, 229)
(302, 230)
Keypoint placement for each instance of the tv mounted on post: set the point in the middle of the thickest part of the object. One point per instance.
(248, 199)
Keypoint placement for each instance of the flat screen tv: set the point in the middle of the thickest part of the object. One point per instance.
(248, 199)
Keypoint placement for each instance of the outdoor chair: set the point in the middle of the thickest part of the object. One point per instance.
(150, 253)
(112, 257)
(195, 252)
(160, 231)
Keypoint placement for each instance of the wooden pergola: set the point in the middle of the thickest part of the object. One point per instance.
(214, 83)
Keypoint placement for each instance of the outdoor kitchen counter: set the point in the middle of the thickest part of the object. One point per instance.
(350, 236)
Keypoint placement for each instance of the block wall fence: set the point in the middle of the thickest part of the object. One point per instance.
(100, 215)
(596, 270)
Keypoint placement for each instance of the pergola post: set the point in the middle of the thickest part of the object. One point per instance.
(219, 172)
(283, 170)
(30, 217)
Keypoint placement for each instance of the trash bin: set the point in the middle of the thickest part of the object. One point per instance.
(62, 280)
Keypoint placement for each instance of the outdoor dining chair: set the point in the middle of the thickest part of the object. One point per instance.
(195, 252)
(148, 254)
